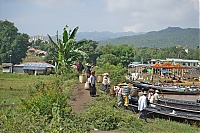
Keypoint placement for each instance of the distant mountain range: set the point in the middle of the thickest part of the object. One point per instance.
(171, 36)
(104, 35)
(98, 36)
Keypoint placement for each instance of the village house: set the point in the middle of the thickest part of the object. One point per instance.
(34, 68)
(7, 67)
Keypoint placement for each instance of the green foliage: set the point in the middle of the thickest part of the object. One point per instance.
(115, 54)
(100, 116)
(33, 58)
(162, 53)
(47, 98)
(115, 72)
(15, 86)
(66, 50)
(89, 47)
(172, 36)
(44, 110)
(12, 43)
(106, 58)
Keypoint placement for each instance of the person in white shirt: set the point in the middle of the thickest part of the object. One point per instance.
(105, 82)
(156, 96)
(142, 105)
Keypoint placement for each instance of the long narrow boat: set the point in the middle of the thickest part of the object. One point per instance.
(180, 108)
(163, 112)
(167, 89)
(186, 106)
(179, 102)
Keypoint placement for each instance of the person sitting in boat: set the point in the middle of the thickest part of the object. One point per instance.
(156, 96)
(150, 95)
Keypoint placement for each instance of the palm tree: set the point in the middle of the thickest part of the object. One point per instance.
(66, 49)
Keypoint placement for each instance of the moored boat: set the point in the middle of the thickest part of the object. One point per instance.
(176, 102)
(169, 88)
(167, 113)
(178, 110)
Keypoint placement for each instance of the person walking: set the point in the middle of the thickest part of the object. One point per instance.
(88, 70)
(92, 81)
(142, 105)
(126, 92)
(118, 91)
(105, 82)
(79, 67)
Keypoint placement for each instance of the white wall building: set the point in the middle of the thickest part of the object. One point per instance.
(174, 61)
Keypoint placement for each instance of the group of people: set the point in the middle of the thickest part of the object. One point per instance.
(147, 100)
(91, 79)
(122, 91)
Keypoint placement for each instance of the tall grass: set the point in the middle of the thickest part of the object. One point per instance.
(14, 86)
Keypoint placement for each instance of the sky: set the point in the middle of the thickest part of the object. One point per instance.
(37, 17)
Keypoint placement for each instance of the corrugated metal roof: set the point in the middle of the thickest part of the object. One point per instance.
(37, 66)
(34, 68)
(7, 64)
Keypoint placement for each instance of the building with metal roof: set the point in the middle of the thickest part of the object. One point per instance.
(35, 68)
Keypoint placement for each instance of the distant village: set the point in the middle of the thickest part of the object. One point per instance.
(37, 52)
(181, 67)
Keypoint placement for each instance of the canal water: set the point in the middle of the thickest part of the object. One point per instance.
(183, 97)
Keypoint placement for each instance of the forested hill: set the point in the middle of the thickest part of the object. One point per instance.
(172, 36)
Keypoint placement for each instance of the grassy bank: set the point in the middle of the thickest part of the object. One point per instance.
(15, 86)
(104, 114)
(45, 109)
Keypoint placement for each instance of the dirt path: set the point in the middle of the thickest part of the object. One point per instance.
(80, 97)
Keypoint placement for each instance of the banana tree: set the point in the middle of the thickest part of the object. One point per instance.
(67, 49)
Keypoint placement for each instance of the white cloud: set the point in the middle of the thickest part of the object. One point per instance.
(134, 28)
(50, 3)
(153, 14)
(116, 5)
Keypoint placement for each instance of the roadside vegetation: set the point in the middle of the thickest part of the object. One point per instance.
(44, 108)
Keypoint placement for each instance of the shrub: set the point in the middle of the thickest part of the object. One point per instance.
(104, 114)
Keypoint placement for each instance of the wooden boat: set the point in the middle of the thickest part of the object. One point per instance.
(194, 109)
(164, 112)
(168, 89)
(175, 102)
(184, 110)
(187, 106)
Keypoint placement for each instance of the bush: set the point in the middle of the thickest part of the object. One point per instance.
(115, 72)
(104, 114)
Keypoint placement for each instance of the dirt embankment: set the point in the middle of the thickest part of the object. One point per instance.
(79, 98)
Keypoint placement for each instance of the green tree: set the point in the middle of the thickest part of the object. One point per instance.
(67, 50)
(106, 58)
(13, 45)
(123, 54)
(89, 47)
